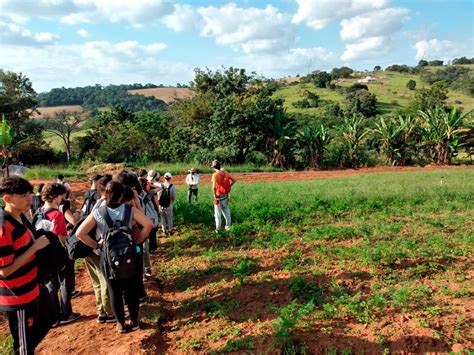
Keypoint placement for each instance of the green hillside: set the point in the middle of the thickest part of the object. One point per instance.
(390, 89)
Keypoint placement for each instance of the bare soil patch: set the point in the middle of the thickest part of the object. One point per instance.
(165, 94)
(50, 111)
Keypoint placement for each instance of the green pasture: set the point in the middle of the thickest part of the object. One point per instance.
(390, 90)
(404, 240)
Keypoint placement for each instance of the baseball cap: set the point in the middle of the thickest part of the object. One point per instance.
(153, 174)
(167, 175)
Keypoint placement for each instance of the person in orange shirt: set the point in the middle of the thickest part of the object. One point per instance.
(221, 185)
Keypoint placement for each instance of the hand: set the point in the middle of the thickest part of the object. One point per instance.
(41, 243)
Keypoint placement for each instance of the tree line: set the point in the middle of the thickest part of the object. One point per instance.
(234, 117)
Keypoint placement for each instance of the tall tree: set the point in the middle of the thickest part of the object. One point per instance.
(17, 99)
(63, 124)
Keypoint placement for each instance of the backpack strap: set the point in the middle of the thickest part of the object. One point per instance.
(105, 215)
(127, 215)
(28, 225)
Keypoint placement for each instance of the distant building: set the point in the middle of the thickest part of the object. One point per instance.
(367, 79)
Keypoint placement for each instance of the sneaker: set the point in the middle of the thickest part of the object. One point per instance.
(55, 324)
(135, 325)
(104, 318)
(122, 328)
(75, 293)
(147, 272)
(73, 317)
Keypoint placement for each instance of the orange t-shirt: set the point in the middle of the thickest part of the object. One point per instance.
(218, 178)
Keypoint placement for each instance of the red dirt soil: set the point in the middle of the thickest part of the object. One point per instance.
(87, 337)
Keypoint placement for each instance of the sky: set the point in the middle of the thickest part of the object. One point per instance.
(71, 43)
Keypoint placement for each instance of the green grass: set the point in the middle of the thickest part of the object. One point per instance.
(182, 168)
(40, 172)
(57, 143)
(398, 237)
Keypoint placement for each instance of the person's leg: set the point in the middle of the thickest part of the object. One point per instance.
(53, 289)
(217, 216)
(66, 288)
(163, 219)
(226, 212)
(195, 191)
(152, 239)
(21, 323)
(146, 256)
(116, 290)
(99, 284)
(190, 192)
(132, 297)
(170, 218)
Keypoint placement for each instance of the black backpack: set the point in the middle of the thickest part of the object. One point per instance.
(165, 197)
(76, 248)
(50, 260)
(119, 252)
(90, 198)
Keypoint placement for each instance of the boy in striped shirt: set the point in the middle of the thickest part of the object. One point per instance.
(19, 288)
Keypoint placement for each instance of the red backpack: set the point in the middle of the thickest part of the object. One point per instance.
(224, 187)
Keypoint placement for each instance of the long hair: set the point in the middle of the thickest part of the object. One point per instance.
(113, 194)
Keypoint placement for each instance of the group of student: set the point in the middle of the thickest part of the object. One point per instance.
(117, 223)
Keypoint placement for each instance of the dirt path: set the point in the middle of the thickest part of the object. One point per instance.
(80, 187)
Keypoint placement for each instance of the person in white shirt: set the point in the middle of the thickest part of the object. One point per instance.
(192, 180)
(166, 198)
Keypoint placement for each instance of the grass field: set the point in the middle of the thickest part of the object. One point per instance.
(365, 262)
(390, 90)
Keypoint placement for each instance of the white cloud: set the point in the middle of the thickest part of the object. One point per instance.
(317, 14)
(442, 49)
(183, 18)
(17, 35)
(82, 32)
(249, 29)
(375, 23)
(366, 48)
(137, 12)
(295, 60)
(99, 62)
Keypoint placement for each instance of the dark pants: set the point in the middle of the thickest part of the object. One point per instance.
(28, 326)
(62, 284)
(119, 289)
(152, 239)
(192, 192)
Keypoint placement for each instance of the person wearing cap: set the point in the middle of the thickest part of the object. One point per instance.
(192, 180)
(166, 212)
(221, 184)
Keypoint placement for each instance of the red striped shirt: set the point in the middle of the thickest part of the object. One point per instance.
(20, 288)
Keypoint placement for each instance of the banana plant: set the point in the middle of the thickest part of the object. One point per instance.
(313, 141)
(443, 133)
(354, 134)
(396, 138)
(7, 147)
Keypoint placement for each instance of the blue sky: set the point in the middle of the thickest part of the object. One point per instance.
(85, 42)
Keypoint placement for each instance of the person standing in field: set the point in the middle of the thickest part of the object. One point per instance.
(221, 186)
(37, 201)
(166, 199)
(69, 202)
(19, 287)
(192, 180)
(153, 178)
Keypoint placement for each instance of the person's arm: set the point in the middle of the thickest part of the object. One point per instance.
(69, 216)
(145, 222)
(82, 232)
(188, 182)
(232, 179)
(38, 244)
(173, 194)
(156, 199)
(214, 188)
